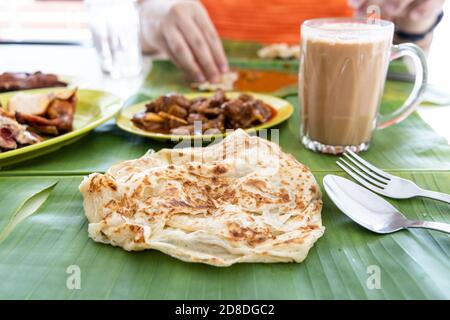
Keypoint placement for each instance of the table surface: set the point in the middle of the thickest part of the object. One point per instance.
(342, 254)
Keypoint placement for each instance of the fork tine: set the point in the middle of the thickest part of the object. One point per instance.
(380, 172)
(365, 180)
(366, 170)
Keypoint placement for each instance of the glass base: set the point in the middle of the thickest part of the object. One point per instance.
(324, 148)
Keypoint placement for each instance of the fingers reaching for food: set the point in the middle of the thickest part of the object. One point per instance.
(225, 82)
(184, 31)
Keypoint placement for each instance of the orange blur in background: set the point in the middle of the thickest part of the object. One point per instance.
(270, 21)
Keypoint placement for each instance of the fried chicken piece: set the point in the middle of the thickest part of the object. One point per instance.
(196, 104)
(212, 107)
(245, 97)
(170, 117)
(245, 113)
(38, 123)
(7, 114)
(193, 117)
(208, 111)
(63, 110)
(170, 111)
(183, 130)
(178, 111)
(51, 113)
(10, 81)
(13, 134)
(177, 115)
(213, 126)
(218, 99)
(169, 102)
(149, 121)
(216, 125)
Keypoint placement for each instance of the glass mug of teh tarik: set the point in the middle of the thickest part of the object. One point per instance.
(342, 73)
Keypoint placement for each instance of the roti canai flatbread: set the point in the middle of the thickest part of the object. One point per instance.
(240, 200)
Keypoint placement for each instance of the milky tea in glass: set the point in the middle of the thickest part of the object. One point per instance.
(341, 80)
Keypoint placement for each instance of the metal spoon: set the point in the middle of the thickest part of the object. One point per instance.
(370, 210)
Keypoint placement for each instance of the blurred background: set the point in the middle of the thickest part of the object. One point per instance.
(54, 36)
(66, 22)
(43, 21)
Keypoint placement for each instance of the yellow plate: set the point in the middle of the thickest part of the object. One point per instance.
(283, 107)
(93, 108)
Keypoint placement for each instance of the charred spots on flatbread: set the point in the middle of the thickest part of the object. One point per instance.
(188, 210)
(220, 169)
(252, 236)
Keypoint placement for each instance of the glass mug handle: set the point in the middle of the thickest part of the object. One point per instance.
(420, 83)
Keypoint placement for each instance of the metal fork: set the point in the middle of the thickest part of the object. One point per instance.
(382, 182)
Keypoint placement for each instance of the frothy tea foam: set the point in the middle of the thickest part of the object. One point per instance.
(348, 32)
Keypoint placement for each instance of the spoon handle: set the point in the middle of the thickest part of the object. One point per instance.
(439, 226)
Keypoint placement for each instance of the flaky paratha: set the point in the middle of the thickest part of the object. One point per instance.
(240, 200)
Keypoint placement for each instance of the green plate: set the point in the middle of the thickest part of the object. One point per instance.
(123, 120)
(93, 108)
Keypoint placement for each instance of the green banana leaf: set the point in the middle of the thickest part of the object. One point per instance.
(241, 50)
(37, 256)
(43, 230)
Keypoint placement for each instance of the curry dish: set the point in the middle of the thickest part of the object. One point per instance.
(175, 114)
(263, 81)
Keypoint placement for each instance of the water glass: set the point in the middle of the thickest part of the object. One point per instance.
(114, 25)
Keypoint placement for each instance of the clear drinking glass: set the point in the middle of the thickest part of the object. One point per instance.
(341, 81)
(114, 26)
